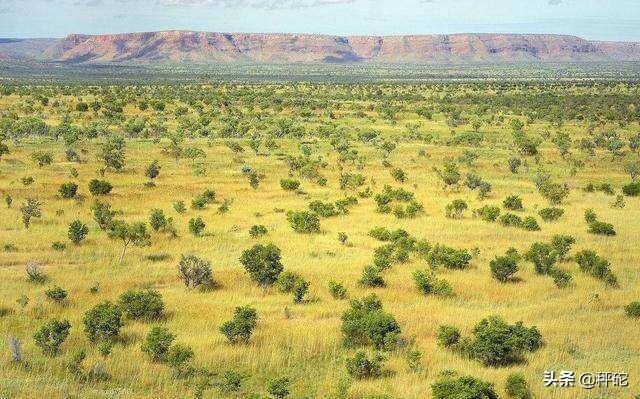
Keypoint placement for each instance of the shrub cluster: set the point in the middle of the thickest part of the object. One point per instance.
(503, 268)
(451, 387)
(596, 226)
(399, 201)
(427, 283)
(304, 222)
(240, 328)
(366, 323)
(594, 265)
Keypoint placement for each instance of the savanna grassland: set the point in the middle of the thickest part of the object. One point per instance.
(244, 155)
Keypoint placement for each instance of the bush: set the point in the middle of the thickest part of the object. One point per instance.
(361, 367)
(77, 232)
(455, 209)
(257, 230)
(551, 214)
(591, 263)
(68, 190)
(153, 170)
(450, 258)
(543, 256)
(366, 323)
(562, 245)
(561, 278)
(178, 356)
(289, 184)
(601, 228)
(230, 381)
(516, 387)
(279, 387)
(35, 273)
(157, 343)
(102, 214)
(56, 294)
(503, 268)
(304, 222)
(497, 343)
(263, 264)
(529, 223)
(289, 282)
(380, 233)
(240, 328)
(196, 226)
(488, 213)
(103, 321)
(99, 187)
(513, 203)
(196, 272)
(51, 335)
(147, 305)
(371, 277)
(428, 283)
(631, 189)
(465, 387)
(398, 175)
(337, 290)
(448, 336)
(633, 309)
(323, 209)
(510, 220)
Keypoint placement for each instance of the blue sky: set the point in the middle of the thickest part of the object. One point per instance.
(591, 19)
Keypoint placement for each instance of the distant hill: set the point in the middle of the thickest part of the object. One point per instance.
(172, 47)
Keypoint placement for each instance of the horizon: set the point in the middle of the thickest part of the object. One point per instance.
(588, 19)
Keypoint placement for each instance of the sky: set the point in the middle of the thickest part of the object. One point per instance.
(590, 19)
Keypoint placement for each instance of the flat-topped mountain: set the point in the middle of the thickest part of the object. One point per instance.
(211, 47)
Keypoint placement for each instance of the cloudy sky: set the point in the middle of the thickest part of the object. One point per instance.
(592, 19)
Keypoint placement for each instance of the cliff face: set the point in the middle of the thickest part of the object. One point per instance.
(186, 46)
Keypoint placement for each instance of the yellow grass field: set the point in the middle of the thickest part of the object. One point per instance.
(584, 326)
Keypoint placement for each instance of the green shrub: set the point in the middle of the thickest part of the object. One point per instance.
(102, 214)
(257, 230)
(448, 336)
(51, 336)
(99, 187)
(513, 203)
(529, 223)
(455, 209)
(230, 381)
(601, 228)
(304, 222)
(337, 290)
(178, 356)
(450, 258)
(371, 277)
(380, 233)
(398, 175)
(561, 278)
(465, 387)
(263, 264)
(428, 283)
(517, 388)
(197, 226)
(366, 323)
(196, 272)
(594, 265)
(77, 232)
(279, 387)
(179, 207)
(289, 184)
(488, 213)
(562, 245)
(631, 189)
(103, 321)
(240, 328)
(323, 209)
(510, 220)
(147, 304)
(551, 214)
(56, 294)
(503, 268)
(157, 343)
(497, 343)
(361, 367)
(68, 190)
(153, 170)
(543, 256)
(633, 309)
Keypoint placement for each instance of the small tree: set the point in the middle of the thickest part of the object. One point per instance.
(279, 387)
(157, 343)
(263, 264)
(304, 222)
(112, 153)
(129, 233)
(240, 328)
(102, 214)
(196, 272)
(99, 187)
(30, 209)
(153, 170)
(68, 190)
(51, 335)
(77, 232)
(103, 321)
(196, 226)
(146, 305)
(503, 268)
